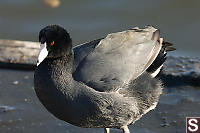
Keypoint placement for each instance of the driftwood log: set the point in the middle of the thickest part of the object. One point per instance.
(23, 55)
(18, 54)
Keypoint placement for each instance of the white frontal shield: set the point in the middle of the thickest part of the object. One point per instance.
(43, 53)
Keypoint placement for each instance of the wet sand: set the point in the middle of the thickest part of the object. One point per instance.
(21, 111)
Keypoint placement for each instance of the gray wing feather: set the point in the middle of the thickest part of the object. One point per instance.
(82, 50)
(118, 58)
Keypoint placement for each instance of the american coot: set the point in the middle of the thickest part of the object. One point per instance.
(106, 83)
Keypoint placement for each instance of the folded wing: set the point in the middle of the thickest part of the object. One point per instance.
(118, 58)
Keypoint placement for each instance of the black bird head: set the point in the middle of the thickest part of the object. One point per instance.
(55, 42)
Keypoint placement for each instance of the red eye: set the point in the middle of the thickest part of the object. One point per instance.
(52, 43)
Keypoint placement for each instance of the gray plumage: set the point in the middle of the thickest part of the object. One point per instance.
(117, 59)
(103, 83)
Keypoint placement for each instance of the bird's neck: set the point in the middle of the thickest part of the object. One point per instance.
(54, 83)
(63, 64)
(56, 75)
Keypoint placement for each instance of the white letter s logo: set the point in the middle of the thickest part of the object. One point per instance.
(192, 122)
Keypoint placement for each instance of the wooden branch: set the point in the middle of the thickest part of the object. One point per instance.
(18, 54)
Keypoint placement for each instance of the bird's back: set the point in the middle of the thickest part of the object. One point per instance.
(117, 59)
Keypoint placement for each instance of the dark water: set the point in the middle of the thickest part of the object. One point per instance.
(179, 20)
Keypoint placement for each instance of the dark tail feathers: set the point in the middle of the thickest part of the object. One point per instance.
(160, 59)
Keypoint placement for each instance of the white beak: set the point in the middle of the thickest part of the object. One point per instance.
(43, 53)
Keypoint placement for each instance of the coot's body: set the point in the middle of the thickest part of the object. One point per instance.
(106, 83)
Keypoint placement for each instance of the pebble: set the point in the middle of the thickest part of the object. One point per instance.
(25, 99)
(174, 123)
(59, 124)
(4, 109)
(165, 125)
(10, 121)
(15, 82)
(26, 77)
(19, 119)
